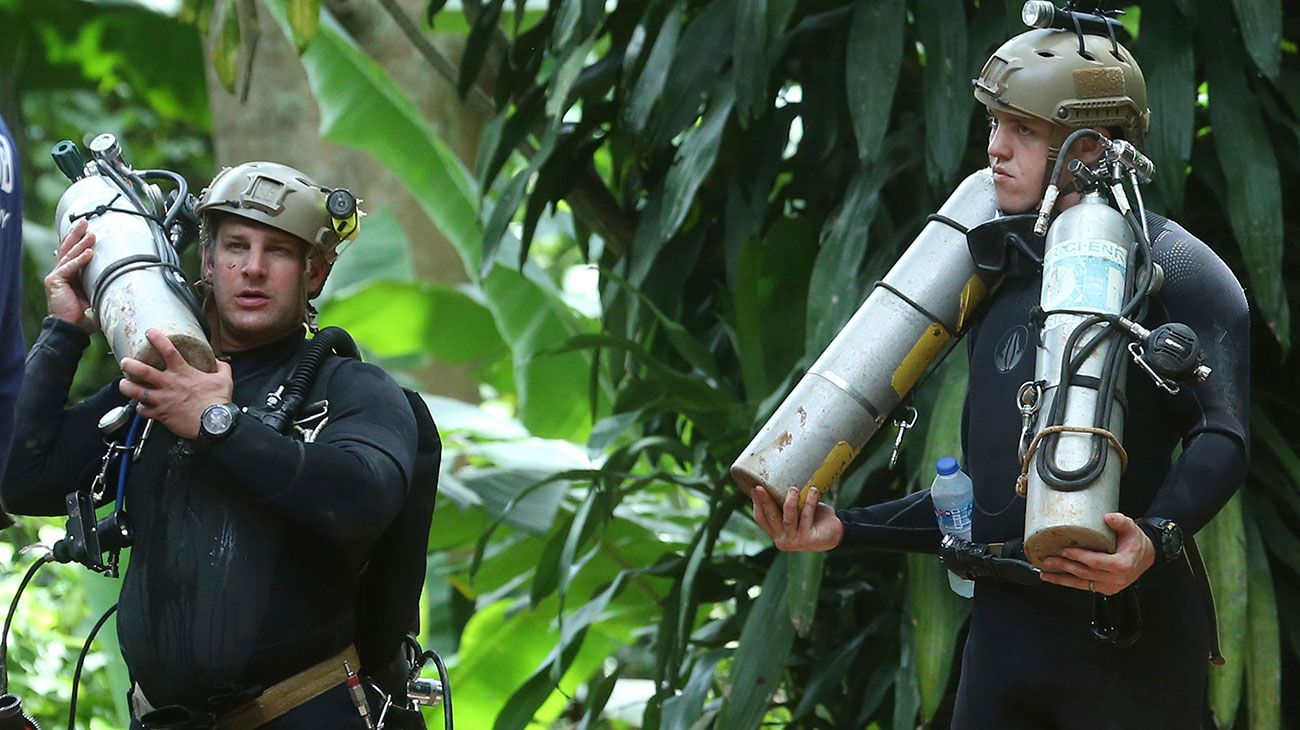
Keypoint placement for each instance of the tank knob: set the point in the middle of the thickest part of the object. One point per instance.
(67, 157)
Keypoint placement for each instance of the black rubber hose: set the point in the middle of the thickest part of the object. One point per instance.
(9, 619)
(81, 661)
(328, 340)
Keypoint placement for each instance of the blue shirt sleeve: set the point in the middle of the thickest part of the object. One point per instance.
(11, 278)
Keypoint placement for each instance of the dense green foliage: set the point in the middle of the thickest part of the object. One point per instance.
(737, 173)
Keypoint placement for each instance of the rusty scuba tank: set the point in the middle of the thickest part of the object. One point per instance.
(922, 304)
(134, 280)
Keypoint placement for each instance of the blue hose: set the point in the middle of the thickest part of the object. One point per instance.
(125, 458)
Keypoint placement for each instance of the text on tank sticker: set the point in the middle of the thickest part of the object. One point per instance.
(1084, 274)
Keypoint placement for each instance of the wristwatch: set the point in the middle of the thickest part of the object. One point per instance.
(217, 422)
(1166, 535)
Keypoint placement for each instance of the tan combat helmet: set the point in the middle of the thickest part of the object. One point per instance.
(285, 199)
(1044, 74)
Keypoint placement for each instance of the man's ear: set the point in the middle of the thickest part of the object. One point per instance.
(206, 257)
(1088, 150)
(316, 273)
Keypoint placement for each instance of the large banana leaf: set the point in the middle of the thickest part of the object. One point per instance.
(361, 108)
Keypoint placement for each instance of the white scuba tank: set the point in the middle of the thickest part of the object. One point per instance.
(123, 280)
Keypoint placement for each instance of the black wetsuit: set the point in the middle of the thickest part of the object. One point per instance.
(247, 551)
(1030, 660)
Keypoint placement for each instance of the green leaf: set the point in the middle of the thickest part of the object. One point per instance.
(704, 47)
(1223, 546)
(875, 53)
(763, 650)
(650, 83)
(749, 60)
(598, 697)
(833, 291)
(683, 710)
(935, 611)
(690, 349)
(571, 64)
(805, 582)
(1261, 29)
(827, 677)
(528, 698)
(941, 27)
(304, 20)
(406, 319)
(476, 46)
(692, 163)
(907, 697)
(1264, 659)
(1251, 172)
(566, 22)
(547, 576)
(380, 251)
(1171, 94)
(225, 52)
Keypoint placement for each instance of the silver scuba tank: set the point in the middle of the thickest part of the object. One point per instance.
(923, 303)
(125, 278)
(1085, 263)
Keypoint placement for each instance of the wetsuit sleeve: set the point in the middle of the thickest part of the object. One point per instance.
(55, 450)
(11, 280)
(905, 524)
(1201, 292)
(348, 484)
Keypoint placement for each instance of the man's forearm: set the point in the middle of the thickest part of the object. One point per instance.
(52, 449)
(346, 491)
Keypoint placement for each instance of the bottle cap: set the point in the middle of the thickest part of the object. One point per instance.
(947, 466)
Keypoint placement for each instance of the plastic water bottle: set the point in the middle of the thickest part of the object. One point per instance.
(953, 499)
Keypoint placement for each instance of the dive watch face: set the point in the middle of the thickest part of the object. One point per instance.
(1173, 539)
(219, 419)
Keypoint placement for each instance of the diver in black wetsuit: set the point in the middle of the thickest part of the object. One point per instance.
(1030, 659)
(248, 544)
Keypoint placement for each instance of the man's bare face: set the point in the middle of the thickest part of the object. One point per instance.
(1018, 155)
(257, 282)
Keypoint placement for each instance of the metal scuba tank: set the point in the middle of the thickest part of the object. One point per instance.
(126, 278)
(1085, 264)
(923, 303)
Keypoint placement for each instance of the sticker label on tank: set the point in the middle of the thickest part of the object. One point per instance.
(1084, 274)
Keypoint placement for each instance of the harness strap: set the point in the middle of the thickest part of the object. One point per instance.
(283, 696)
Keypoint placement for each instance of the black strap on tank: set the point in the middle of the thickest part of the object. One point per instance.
(125, 266)
(909, 301)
